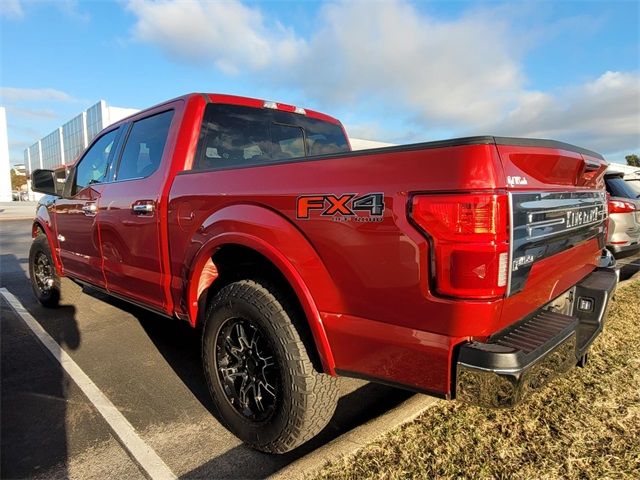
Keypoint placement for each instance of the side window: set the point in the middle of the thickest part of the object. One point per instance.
(93, 165)
(145, 145)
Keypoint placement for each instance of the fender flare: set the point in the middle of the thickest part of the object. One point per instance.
(278, 240)
(43, 222)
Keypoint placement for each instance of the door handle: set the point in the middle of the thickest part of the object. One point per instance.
(143, 208)
(90, 209)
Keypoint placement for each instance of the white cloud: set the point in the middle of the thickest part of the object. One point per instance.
(12, 9)
(13, 95)
(457, 71)
(453, 71)
(229, 34)
(461, 75)
(603, 114)
(15, 9)
(31, 113)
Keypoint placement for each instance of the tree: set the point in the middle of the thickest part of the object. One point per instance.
(633, 160)
(17, 181)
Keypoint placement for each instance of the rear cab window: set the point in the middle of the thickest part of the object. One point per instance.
(235, 136)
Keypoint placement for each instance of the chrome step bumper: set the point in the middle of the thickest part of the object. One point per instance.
(527, 355)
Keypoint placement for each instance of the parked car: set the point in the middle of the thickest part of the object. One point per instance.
(624, 215)
(472, 268)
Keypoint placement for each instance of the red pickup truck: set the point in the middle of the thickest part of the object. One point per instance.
(471, 268)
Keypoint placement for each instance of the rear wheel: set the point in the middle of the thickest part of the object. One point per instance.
(44, 279)
(259, 373)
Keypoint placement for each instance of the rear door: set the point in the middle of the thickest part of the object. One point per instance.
(129, 212)
(76, 215)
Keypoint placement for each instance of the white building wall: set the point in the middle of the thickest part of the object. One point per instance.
(74, 134)
(35, 156)
(65, 144)
(27, 160)
(52, 149)
(5, 167)
(118, 113)
(362, 144)
(96, 116)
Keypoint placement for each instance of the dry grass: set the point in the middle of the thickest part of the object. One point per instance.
(584, 425)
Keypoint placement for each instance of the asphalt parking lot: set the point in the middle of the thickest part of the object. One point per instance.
(147, 366)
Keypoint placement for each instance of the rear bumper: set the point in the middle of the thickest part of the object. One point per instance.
(528, 354)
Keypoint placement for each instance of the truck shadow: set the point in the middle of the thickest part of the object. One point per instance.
(179, 344)
(34, 389)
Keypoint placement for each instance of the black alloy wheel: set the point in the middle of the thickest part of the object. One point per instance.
(247, 369)
(45, 282)
(43, 272)
(264, 386)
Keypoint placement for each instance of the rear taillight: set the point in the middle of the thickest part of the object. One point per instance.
(620, 206)
(470, 241)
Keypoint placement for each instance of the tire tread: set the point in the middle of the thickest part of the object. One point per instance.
(314, 394)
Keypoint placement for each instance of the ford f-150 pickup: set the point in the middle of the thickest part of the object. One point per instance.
(471, 268)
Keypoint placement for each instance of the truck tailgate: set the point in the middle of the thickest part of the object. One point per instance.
(558, 216)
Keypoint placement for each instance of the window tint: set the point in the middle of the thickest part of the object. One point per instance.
(234, 136)
(143, 151)
(288, 141)
(93, 165)
(617, 187)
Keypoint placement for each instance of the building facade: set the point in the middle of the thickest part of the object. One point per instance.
(65, 143)
(5, 168)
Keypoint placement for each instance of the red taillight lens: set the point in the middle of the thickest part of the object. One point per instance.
(470, 237)
(620, 206)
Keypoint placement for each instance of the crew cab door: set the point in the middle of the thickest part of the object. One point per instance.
(129, 215)
(76, 214)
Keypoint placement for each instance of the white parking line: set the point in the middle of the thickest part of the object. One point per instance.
(139, 451)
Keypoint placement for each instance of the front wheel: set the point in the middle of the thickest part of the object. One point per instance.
(264, 386)
(44, 279)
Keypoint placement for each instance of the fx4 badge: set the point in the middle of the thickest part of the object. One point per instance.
(342, 208)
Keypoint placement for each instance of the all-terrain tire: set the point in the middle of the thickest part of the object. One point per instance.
(39, 255)
(305, 399)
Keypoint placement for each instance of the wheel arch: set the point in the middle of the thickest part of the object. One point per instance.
(42, 223)
(272, 242)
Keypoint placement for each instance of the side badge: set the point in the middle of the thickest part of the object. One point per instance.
(342, 208)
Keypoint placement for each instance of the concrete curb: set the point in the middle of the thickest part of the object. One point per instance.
(352, 441)
(17, 217)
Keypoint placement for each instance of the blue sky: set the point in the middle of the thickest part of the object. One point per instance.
(394, 71)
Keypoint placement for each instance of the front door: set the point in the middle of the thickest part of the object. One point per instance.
(76, 215)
